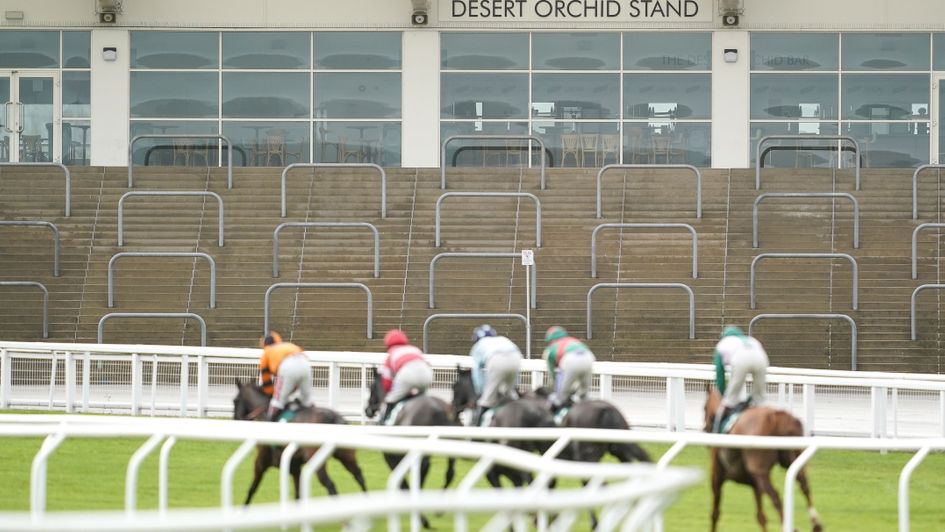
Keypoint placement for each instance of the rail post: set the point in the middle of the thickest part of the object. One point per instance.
(822, 316)
(691, 229)
(530, 138)
(683, 287)
(362, 286)
(285, 173)
(65, 172)
(226, 140)
(842, 138)
(532, 197)
(853, 266)
(600, 174)
(837, 195)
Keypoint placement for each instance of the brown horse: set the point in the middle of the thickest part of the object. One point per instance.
(753, 466)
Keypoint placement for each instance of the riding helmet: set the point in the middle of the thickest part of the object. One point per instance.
(272, 338)
(483, 331)
(731, 330)
(395, 337)
(555, 332)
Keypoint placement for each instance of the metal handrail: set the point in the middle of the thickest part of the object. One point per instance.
(600, 174)
(681, 286)
(280, 227)
(847, 138)
(476, 315)
(830, 316)
(912, 305)
(285, 173)
(691, 229)
(116, 256)
(136, 138)
(915, 187)
(362, 286)
(915, 243)
(203, 324)
(532, 197)
(451, 138)
(853, 265)
(42, 287)
(484, 254)
(66, 174)
(762, 197)
(126, 195)
(55, 232)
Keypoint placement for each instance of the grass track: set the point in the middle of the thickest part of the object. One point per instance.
(852, 490)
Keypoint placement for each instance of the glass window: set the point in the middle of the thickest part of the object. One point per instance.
(268, 143)
(667, 142)
(782, 153)
(795, 51)
(76, 139)
(358, 50)
(938, 43)
(29, 49)
(76, 94)
(174, 49)
(579, 144)
(667, 51)
(885, 51)
(75, 49)
(891, 144)
(357, 95)
(484, 51)
(575, 96)
(265, 95)
(477, 153)
(266, 50)
(667, 95)
(477, 96)
(358, 142)
(160, 152)
(576, 51)
(174, 94)
(780, 96)
(885, 96)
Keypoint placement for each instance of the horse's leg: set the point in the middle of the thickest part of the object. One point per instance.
(628, 452)
(263, 459)
(296, 469)
(717, 480)
(450, 471)
(763, 483)
(349, 460)
(759, 504)
(326, 481)
(811, 511)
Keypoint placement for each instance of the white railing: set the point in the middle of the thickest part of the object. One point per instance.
(159, 380)
(633, 495)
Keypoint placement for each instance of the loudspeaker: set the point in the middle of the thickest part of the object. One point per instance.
(419, 18)
(108, 17)
(730, 20)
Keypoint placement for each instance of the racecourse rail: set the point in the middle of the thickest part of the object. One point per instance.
(198, 381)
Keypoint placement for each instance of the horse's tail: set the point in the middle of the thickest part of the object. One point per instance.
(611, 418)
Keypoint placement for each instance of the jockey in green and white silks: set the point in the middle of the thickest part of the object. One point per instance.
(496, 363)
(744, 355)
(570, 361)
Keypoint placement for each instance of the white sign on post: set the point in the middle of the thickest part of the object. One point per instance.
(528, 257)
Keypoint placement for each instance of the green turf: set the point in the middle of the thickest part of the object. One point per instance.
(852, 490)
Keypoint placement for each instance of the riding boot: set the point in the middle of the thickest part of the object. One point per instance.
(477, 417)
(720, 415)
(384, 413)
(274, 414)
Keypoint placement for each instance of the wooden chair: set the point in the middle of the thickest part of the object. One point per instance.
(32, 148)
(636, 149)
(344, 152)
(297, 153)
(181, 149)
(660, 146)
(570, 145)
(609, 147)
(589, 146)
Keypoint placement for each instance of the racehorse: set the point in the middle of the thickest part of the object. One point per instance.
(419, 410)
(251, 403)
(598, 414)
(753, 466)
(523, 412)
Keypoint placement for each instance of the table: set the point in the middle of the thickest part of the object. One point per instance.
(85, 145)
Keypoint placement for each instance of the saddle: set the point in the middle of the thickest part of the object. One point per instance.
(393, 410)
(730, 416)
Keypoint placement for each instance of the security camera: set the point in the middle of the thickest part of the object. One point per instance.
(419, 18)
(730, 19)
(107, 17)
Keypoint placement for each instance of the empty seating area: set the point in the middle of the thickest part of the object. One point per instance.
(168, 237)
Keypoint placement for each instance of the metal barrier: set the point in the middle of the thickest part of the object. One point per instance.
(55, 232)
(362, 286)
(280, 227)
(111, 315)
(683, 287)
(285, 173)
(529, 138)
(762, 197)
(485, 254)
(915, 244)
(65, 172)
(229, 152)
(532, 197)
(853, 265)
(695, 241)
(121, 212)
(915, 187)
(481, 316)
(600, 174)
(912, 306)
(842, 138)
(461, 149)
(116, 256)
(42, 287)
(829, 316)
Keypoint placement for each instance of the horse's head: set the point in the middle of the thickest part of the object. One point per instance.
(464, 393)
(250, 401)
(712, 401)
(377, 394)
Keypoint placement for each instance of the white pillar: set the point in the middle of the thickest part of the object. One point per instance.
(730, 92)
(421, 98)
(110, 98)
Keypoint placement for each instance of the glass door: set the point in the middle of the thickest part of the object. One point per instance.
(32, 124)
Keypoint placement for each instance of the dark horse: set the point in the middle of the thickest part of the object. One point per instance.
(529, 412)
(753, 466)
(251, 403)
(419, 410)
(597, 414)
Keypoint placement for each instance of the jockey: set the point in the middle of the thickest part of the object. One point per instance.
(744, 355)
(570, 361)
(404, 373)
(496, 362)
(289, 365)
